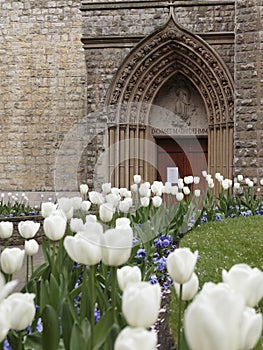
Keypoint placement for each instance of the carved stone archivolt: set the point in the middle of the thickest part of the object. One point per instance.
(169, 51)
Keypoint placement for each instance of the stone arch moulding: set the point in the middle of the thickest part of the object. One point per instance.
(168, 51)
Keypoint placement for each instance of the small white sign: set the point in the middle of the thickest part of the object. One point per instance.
(172, 175)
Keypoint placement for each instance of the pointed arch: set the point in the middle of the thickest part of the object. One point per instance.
(168, 51)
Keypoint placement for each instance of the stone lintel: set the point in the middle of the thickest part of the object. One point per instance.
(87, 6)
(116, 41)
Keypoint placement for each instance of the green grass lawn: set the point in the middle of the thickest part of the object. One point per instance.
(221, 245)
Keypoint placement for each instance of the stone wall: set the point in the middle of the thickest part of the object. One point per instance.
(42, 87)
(249, 89)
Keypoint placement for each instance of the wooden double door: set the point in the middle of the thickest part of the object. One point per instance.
(187, 156)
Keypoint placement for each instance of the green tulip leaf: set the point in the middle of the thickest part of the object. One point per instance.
(51, 333)
(44, 295)
(33, 341)
(13, 339)
(77, 340)
(103, 329)
(67, 323)
(54, 292)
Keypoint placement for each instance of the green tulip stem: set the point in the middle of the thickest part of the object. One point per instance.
(92, 301)
(53, 255)
(27, 267)
(179, 325)
(32, 265)
(20, 342)
(83, 306)
(114, 291)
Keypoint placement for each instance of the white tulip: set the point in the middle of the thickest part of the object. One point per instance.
(12, 260)
(123, 223)
(85, 206)
(250, 329)
(179, 196)
(55, 227)
(113, 199)
(181, 264)
(116, 246)
(6, 288)
(212, 320)
(23, 310)
(28, 229)
(141, 303)
(48, 208)
(76, 203)
(106, 187)
(5, 314)
(250, 184)
(247, 281)
(106, 212)
(157, 188)
(174, 190)
(131, 338)
(134, 188)
(157, 201)
(180, 184)
(137, 179)
(83, 188)
(125, 205)
(236, 185)
(6, 229)
(123, 192)
(127, 275)
(204, 173)
(96, 198)
(91, 218)
(239, 178)
(197, 193)
(84, 247)
(144, 190)
(145, 201)
(196, 180)
(31, 247)
(186, 190)
(66, 205)
(76, 224)
(190, 288)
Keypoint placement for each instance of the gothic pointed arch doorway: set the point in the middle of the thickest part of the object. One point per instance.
(171, 53)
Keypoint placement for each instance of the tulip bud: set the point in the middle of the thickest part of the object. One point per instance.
(134, 188)
(96, 198)
(55, 227)
(127, 275)
(196, 180)
(12, 260)
(125, 205)
(28, 229)
(181, 264)
(239, 178)
(31, 247)
(6, 229)
(144, 190)
(23, 310)
(141, 304)
(197, 193)
(131, 338)
(116, 246)
(186, 190)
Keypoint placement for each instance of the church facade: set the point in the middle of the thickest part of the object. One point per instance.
(117, 88)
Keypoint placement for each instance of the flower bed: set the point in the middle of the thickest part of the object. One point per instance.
(104, 274)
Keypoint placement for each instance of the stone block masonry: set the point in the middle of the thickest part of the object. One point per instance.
(42, 88)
